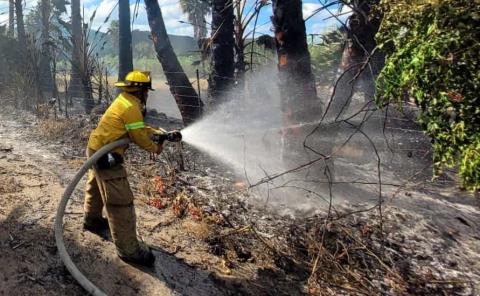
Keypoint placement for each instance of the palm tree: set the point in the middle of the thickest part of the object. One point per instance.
(188, 101)
(24, 66)
(197, 10)
(45, 59)
(300, 103)
(78, 82)
(360, 30)
(125, 62)
(22, 37)
(222, 47)
(113, 33)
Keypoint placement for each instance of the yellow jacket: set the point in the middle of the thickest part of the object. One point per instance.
(122, 119)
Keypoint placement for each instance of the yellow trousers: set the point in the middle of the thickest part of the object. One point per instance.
(110, 188)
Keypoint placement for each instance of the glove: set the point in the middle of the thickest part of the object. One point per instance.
(158, 131)
(159, 148)
(153, 155)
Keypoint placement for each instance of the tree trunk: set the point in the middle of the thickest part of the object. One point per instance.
(22, 42)
(22, 37)
(359, 43)
(78, 86)
(196, 28)
(239, 45)
(45, 59)
(202, 25)
(11, 18)
(197, 18)
(125, 61)
(54, 79)
(299, 100)
(222, 45)
(188, 101)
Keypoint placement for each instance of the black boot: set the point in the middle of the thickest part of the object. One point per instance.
(143, 257)
(95, 225)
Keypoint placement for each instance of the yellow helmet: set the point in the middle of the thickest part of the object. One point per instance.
(140, 79)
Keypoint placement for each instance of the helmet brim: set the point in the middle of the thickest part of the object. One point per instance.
(128, 84)
(121, 84)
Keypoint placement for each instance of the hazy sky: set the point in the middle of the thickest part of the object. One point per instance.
(173, 14)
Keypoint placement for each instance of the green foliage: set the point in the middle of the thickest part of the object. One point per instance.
(144, 50)
(325, 56)
(432, 52)
(152, 64)
(113, 33)
(197, 10)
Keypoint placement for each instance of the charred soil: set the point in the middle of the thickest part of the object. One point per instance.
(210, 237)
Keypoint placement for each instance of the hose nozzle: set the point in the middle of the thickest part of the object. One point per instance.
(172, 136)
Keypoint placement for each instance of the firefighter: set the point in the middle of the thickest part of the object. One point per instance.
(107, 184)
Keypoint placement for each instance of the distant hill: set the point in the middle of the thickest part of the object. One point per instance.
(182, 45)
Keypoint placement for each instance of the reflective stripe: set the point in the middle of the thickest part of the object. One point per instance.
(135, 125)
(124, 102)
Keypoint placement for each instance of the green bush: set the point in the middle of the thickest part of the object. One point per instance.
(325, 61)
(152, 64)
(325, 56)
(432, 52)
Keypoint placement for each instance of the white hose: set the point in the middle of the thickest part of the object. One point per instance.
(62, 251)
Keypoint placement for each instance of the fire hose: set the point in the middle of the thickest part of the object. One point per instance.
(174, 136)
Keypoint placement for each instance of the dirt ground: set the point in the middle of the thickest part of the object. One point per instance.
(33, 177)
(208, 241)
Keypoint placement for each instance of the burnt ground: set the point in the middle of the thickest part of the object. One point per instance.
(210, 236)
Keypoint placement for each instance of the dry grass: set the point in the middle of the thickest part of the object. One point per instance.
(351, 256)
(201, 230)
(349, 151)
(76, 163)
(9, 185)
(52, 129)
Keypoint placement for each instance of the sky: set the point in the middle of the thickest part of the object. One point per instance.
(173, 15)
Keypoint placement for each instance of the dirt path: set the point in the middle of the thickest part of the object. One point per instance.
(32, 180)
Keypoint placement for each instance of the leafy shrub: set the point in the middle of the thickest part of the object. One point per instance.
(432, 52)
(325, 57)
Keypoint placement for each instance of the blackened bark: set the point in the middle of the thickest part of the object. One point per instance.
(239, 50)
(188, 101)
(79, 85)
(199, 23)
(222, 46)
(11, 17)
(300, 103)
(125, 62)
(28, 66)
(22, 37)
(361, 30)
(46, 86)
(201, 27)
(359, 44)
